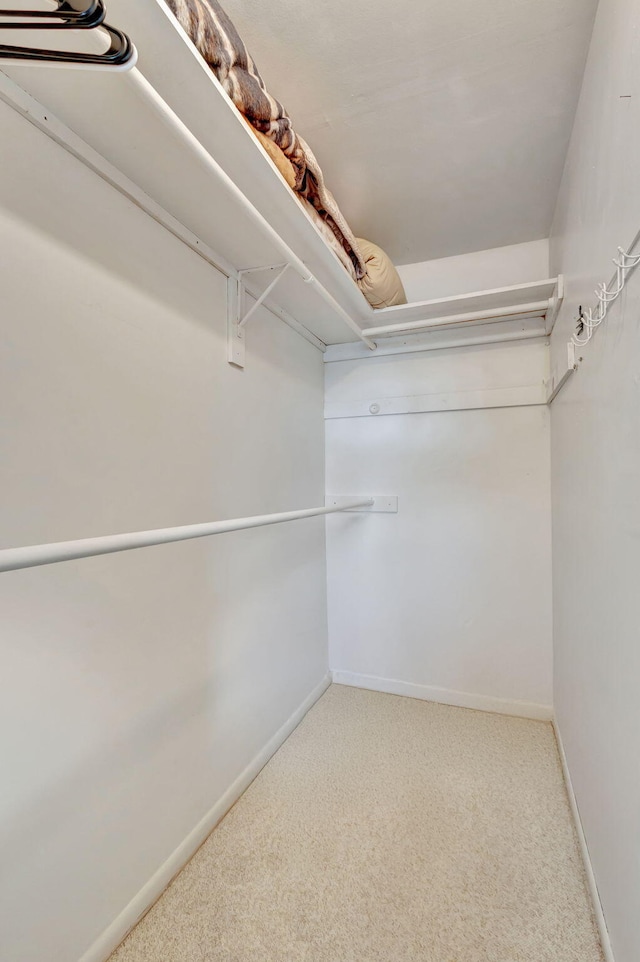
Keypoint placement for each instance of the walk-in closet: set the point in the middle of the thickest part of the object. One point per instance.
(319, 464)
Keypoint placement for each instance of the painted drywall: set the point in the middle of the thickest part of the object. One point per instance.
(596, 476)
(441, 127)
(451, 596)
(135, 688)
(479, 271)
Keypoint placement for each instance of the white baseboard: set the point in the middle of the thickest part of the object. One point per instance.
(584, 849)
(112, 936)
(445, 696)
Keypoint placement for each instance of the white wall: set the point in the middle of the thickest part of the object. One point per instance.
(480, 271)
(451, 597)
(596, 475)
(136, 687)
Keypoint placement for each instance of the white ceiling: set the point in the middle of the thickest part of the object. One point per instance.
(441, 125)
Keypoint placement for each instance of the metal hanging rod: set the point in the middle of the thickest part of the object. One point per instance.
(494, 313)
(12, 559)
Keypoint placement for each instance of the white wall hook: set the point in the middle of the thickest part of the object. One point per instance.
(606, 294)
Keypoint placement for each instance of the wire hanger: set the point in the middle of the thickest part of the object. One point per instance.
(85, 14)
(68, 15)
(121, 53)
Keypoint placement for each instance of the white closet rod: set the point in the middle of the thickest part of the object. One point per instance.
(494, 313)
(172, 120)
(32, 556)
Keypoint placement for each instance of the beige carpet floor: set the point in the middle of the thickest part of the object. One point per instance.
(387, 830)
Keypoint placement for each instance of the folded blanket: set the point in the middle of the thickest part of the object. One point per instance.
(219, 43)
(381, 285)
(277, 155)
(329, 237)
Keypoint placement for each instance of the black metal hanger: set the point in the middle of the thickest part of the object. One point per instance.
(85, 14)
(120, 52)
(70, 14)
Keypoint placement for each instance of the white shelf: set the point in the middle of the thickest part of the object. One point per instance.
(106, 110)
(501, 297)
(110, 114)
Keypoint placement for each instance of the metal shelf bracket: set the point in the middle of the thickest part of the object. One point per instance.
(236, 319)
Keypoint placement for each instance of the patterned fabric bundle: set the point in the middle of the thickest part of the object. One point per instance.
(219, 43)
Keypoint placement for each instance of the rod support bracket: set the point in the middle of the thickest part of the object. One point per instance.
(379, 503)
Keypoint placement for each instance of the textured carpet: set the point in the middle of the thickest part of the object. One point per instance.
(387, 830)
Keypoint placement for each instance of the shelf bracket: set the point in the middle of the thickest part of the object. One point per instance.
(559, 377)
(236, 320)
(555, 303)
